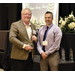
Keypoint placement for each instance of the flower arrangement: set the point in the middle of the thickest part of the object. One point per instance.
(67, 24)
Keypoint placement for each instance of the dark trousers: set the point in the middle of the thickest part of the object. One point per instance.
(22, 65)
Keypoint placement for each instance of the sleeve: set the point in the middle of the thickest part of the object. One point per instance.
(13, 36)
(39, 46)
(57, 40)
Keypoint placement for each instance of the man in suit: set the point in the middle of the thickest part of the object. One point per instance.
(22, 34)
(49, 38)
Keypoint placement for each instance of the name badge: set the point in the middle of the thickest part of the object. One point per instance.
(34, 31)
(45, 43)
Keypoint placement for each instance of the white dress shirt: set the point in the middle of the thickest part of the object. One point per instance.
(29, 31)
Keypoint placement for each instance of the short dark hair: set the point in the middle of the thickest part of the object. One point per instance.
(50, 13)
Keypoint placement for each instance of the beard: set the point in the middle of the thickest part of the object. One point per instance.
(48, 23)
(27, 20)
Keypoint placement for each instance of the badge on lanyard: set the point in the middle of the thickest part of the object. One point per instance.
(45, 43)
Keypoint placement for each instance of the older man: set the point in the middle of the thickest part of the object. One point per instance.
(22, 35)
(49, 38)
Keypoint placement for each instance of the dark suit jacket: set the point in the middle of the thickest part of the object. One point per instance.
(18, 36)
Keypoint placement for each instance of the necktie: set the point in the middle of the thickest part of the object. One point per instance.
(44, 38)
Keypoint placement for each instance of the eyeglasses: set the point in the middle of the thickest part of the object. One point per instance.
(27, 14)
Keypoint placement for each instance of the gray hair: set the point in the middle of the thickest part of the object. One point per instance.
(26, 9)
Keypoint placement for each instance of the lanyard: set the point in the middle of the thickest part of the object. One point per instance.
(48, 31)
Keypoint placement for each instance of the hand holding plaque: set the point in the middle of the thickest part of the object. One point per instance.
(28, 47)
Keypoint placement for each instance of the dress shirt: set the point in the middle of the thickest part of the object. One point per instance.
(53, 38)
(29, 31)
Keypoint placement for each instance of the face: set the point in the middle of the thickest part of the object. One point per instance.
(26, 15)
(48, 19)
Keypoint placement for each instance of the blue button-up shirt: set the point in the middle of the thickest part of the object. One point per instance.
(53, 38)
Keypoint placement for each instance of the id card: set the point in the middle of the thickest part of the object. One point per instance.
(34, 32)
(45, 43)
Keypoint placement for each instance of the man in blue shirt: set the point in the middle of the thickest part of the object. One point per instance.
(49, 38)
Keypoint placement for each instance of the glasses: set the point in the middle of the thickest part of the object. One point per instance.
(27, 14)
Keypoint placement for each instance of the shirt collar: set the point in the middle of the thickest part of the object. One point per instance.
(25, 24)
(49, 25)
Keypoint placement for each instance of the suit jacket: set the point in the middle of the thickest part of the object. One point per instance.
(18, 36)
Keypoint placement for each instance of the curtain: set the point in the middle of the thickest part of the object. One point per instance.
(66, 8)
(19, 8)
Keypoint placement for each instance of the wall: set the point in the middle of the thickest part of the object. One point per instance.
(38, 12)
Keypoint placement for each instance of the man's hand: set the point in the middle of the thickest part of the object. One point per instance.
(34, 38)
(44, 55)
(28, 47)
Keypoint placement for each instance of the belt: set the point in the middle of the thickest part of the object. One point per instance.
(54, 52)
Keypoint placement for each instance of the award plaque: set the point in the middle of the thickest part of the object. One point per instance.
(71, 55)
(63, 54)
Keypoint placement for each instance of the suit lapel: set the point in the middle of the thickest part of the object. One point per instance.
(32, 28)
(25, 31)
